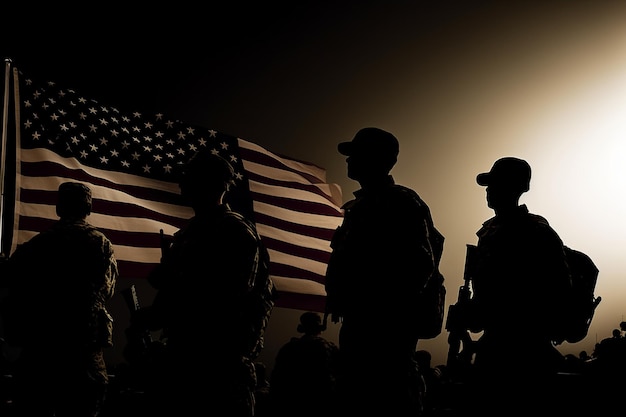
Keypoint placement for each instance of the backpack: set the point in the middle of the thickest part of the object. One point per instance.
(582, 301)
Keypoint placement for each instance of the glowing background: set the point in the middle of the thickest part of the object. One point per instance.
(460, 86)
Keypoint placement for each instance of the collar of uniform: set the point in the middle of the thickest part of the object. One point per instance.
(375, 186)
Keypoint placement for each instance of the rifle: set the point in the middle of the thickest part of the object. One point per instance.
(460, 342)
(139, 339)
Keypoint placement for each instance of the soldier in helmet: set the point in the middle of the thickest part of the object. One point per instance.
(213, 301)
(384, 253)
(59, 283)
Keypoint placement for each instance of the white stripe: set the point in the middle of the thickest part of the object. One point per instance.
(293, 238)
(318, 268)
(299, 286)
(298, 217)
(309, 169)
(291, 193)
(41, 155)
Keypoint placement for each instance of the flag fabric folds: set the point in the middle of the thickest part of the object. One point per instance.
(130, 162)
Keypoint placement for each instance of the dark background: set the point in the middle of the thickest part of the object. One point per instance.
(460, 83)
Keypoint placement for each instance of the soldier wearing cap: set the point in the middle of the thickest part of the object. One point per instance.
(383, 254)
(60, 282)
(214, 295)
(519, 285)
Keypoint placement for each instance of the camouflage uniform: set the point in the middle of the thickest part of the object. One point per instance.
(383, 254)
(59, 284)
(213, 303)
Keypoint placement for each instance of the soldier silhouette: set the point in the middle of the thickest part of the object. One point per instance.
(384, 253)
(59, 283)
(213, 301)
(520, 286)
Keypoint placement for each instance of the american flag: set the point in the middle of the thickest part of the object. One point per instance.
(129, 161)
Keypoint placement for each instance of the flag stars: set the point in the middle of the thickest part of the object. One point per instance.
(148, 125)
(125, 144)
(136, 129)
(54, 117)
(104, 141)
(114, 153)
(104, 122)
(202, 142)
(147, 148)
(136, 156)
(191, 131)
(28, 124)
(157, 158)
(82, 116)
(167, 168)
(36, 135)
(147, 138)
(137, 115)
(92, 110)
(146, 169)
(239, 176)
(93, 128)
(212, 133)
(181, 151)
(169, 124)
(82, 100)
(93, 148)
(75, 140)
(224, 145)
(64, 127)
(104, 160)
(83, 154)
(181, 135)
(114, 133)
(125, 164)
(159, 116)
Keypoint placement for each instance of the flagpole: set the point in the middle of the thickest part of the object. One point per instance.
(5, 113)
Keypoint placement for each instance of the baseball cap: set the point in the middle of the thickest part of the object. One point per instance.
(370, 141)
(509, 172)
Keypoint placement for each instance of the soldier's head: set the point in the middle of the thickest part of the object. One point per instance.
(311, 323)
(73, 200)
(507, 180)
(508, 172)
(205, 178)
(372, 152)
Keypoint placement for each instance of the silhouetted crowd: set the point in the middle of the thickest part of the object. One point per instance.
(214, 274)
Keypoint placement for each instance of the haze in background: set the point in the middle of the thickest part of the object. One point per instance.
(460, 86)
